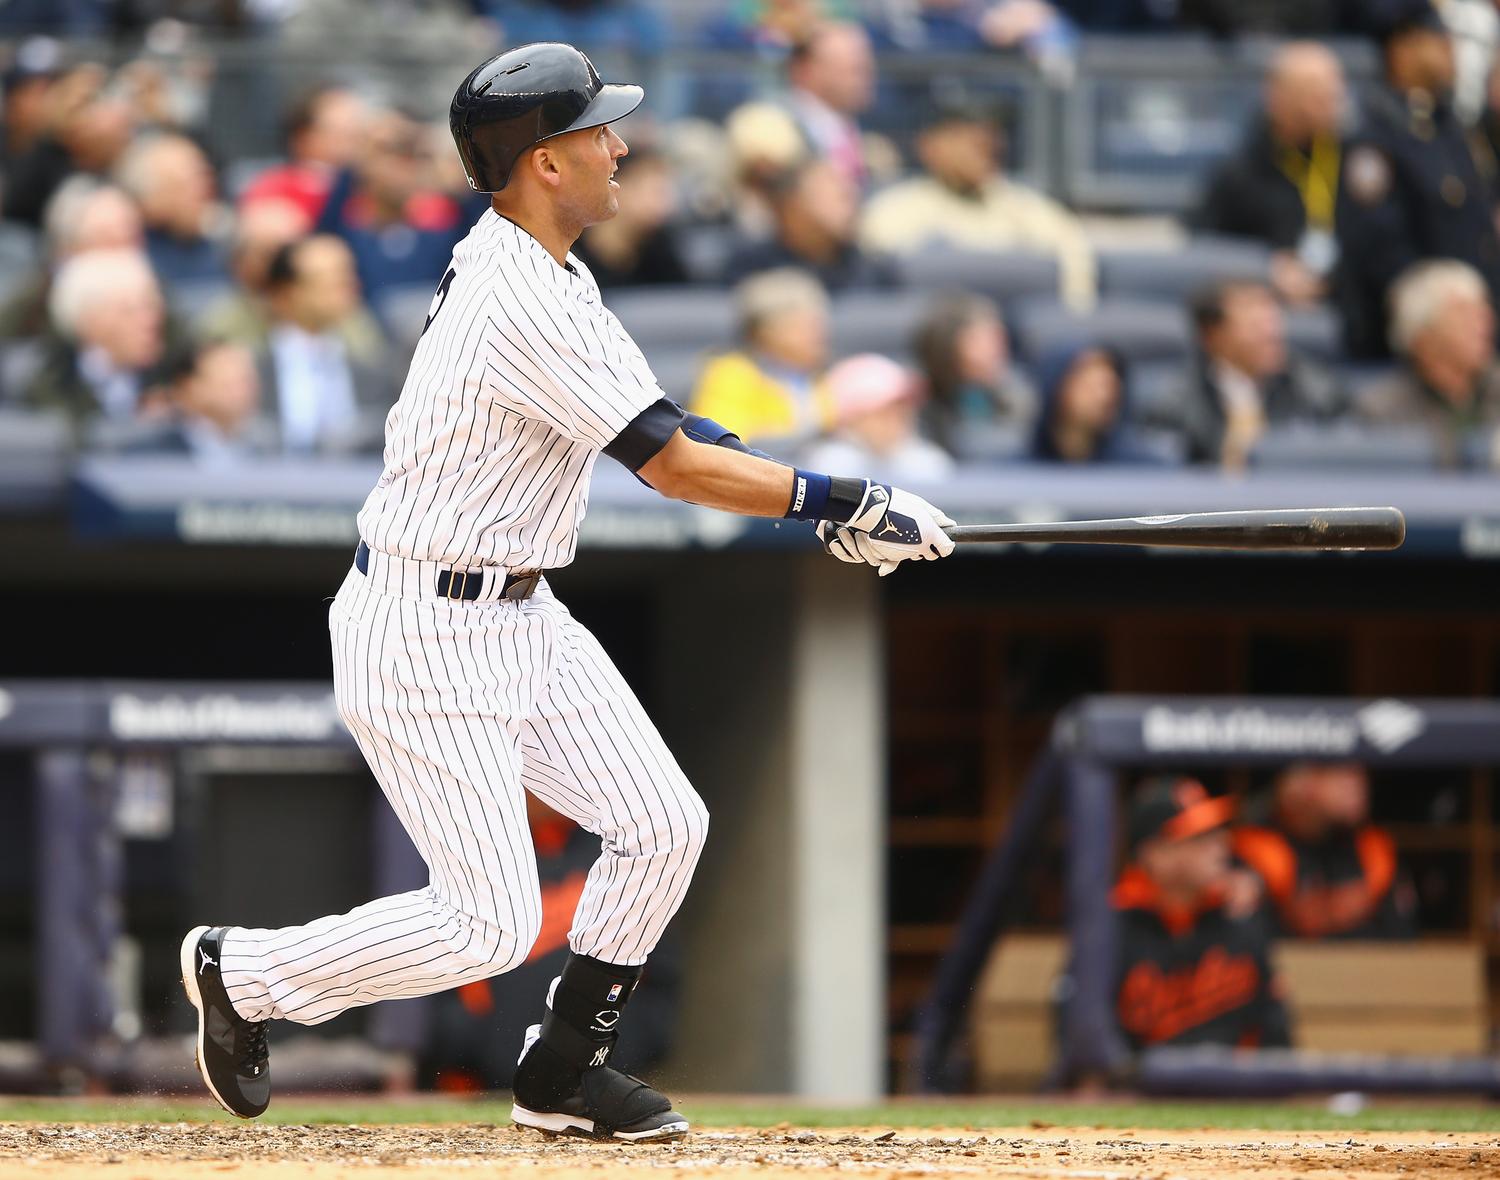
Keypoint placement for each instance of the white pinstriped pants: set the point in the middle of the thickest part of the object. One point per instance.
(459, 708)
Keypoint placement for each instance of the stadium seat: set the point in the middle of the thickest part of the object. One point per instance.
(677, 370)
(1482, 451)
(674, 317)
(191, 298)
(1137, 331)
(1002, 275)
(1315, 331)
(1346, 447)
(992, 442)
(403, 311)
(1176, 274)
(20, 254)
(1156, 389)
(877, 321)
(705, 251)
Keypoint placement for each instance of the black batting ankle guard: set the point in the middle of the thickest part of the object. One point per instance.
(578, 1032)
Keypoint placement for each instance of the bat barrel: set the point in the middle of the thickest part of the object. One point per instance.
(1258, 529)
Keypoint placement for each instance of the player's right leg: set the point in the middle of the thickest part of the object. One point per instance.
(428, 689)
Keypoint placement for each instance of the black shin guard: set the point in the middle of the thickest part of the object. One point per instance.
(578, 1032)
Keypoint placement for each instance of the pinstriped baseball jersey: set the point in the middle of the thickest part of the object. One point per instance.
(520, 378)
(462, 707)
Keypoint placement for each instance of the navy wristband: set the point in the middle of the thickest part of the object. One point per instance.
(809, 495)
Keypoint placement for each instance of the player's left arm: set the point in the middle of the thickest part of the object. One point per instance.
(696, 460)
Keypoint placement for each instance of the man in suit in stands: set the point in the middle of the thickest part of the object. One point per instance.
(1414, 188)
(1284, 185)
(1194, 966)
(212, 408)
(1244, 378)
(107, 339)
(831, 82)
(320, 397)
(1443, 329)
(1329, 872)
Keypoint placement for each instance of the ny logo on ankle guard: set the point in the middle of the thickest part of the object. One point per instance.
(601, 1055)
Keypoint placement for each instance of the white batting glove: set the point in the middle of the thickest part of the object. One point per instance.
(889, 526)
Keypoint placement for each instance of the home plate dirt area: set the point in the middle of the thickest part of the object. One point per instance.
(197, 1151)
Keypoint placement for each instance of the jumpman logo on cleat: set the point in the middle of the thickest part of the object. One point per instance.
(206, 961)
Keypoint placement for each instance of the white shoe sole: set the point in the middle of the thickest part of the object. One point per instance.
(572, 1124)
(185, 959)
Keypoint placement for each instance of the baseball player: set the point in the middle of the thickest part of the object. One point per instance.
(465, 682)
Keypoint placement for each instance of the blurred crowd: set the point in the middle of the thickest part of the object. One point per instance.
(1205, 894)
(167, 301)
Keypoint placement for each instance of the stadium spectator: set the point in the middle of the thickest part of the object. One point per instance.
(1083, 417)
(1283, 186)
(1443, 328)
(638, 246)
(875, 403)
(1415, 190)
(78, 18)
(964, 351)
(964, 200)
(24, 86)
(1244, 378)
(1120, 16)
(769, 26)
(85, 130)
(320, 397)
(212, 410)
(831, 80)
(475, 1028)
(604, 26)
(764, 146)
(108, 338)
(1223, 18)
(324, 131)
(83, 215)
(402, 230)
(816, 211)
(1195, 964)
(771, 387)
(1328, 871)
(173, 183)
(243, 315)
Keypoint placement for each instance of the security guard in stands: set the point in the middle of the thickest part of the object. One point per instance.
(1414, 188)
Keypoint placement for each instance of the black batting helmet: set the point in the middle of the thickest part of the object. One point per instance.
(525, 95)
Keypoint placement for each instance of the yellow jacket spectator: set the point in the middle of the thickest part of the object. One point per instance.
(772, 386)
(963, 200)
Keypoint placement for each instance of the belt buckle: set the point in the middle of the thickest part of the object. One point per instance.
(454, 577)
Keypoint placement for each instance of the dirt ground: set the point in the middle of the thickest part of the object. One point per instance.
(184, 1151)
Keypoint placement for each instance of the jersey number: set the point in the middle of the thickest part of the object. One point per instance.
(439, 299)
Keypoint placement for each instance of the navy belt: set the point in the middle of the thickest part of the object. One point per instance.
(466, 585)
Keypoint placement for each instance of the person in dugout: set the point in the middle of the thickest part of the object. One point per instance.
(1194, 943)
(475, 1030)
(1327, 870)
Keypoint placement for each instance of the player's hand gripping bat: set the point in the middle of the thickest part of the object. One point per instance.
(1276, 528)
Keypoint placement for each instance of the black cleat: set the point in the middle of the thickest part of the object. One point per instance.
(608, 1104)
(232, 1054)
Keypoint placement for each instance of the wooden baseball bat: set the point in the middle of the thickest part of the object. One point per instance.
(1275, 528)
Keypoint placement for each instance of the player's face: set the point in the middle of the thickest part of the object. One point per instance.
(588, 188)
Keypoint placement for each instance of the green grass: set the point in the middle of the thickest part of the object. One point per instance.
(978, 1114)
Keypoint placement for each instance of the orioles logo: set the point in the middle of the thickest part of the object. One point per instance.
(1157, 1005)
